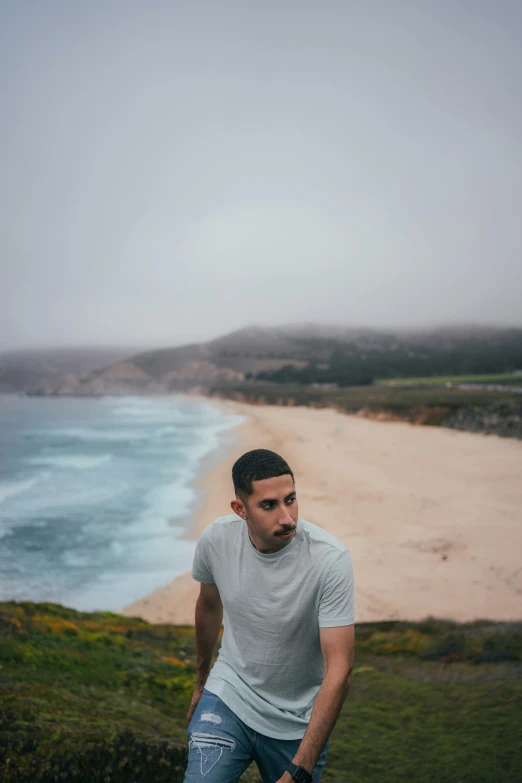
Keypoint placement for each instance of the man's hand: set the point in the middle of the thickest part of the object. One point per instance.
(287, 778)
(196, 696)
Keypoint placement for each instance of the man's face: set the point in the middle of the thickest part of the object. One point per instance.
(270, 513)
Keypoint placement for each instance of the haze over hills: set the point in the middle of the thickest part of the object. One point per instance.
(303, 354)
(22, 370)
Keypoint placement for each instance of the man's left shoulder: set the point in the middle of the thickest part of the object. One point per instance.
(321, 540)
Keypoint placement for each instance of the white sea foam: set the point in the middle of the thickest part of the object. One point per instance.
(207, 440)
(116, 548)
(70, 461)
(146, 416)
(80, 433)
(163, 432)
(9, 489)
(162, 505)
(148, 411)
(73, 559)
(62, 494)
(174, 500)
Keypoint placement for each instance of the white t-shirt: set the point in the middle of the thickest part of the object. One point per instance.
(270, 667)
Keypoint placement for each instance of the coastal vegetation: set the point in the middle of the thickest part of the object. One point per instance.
(100, 697)
(500, 379)
(489, 411)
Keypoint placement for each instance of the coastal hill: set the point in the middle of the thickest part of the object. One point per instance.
(24, 370)
(301, 354)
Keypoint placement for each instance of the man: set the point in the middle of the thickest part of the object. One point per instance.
(285, 662)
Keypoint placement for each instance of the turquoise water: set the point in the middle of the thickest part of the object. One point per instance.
(95, 494)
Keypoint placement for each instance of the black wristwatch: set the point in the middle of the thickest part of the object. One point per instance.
(300, 774)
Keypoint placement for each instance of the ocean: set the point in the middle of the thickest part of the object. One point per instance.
(96, 494)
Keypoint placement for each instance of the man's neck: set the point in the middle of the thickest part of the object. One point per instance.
(269, 550)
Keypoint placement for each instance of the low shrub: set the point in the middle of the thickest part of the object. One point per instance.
(127, 758)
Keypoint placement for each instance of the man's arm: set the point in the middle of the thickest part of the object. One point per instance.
(338, 649)
(209, 617)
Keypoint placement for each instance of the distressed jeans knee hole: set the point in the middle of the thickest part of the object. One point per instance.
(210, 748)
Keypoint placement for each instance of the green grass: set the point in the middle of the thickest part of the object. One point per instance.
(475, 410)
(503, 378)
(378, 396)
(101, 697)
(397, 728)
(353, 398)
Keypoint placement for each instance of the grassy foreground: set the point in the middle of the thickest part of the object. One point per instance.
(101, 697)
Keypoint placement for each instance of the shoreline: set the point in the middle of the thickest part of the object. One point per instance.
(226, 441)
(432, 516)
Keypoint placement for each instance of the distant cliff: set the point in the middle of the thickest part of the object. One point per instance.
(48, 368)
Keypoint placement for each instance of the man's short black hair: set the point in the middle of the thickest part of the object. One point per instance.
(257, 465)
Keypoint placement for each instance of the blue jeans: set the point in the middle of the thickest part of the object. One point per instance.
(222, 747)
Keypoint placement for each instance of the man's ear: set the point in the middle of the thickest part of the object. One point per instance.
(238, 507)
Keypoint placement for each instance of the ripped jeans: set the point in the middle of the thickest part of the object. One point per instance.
(222, 747)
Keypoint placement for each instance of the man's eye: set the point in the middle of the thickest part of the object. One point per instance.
(268, 506)
(290, 501)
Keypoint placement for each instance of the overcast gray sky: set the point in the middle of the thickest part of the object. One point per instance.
(173, 170)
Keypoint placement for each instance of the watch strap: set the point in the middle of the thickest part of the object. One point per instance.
(299, 774)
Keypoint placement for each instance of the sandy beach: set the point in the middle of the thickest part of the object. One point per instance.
(432, 517)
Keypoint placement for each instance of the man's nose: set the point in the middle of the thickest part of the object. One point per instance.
(285, 519)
